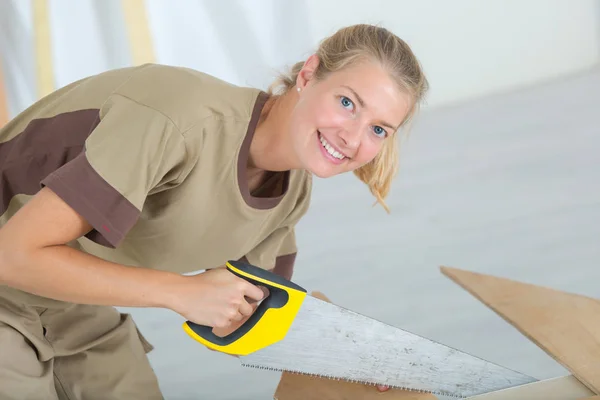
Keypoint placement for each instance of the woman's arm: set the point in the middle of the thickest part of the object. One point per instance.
(35, 259)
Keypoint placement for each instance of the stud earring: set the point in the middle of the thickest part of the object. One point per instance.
(298, 89)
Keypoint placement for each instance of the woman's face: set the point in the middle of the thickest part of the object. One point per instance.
(341, 122)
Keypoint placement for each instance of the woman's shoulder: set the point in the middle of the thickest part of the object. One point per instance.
(187, 96)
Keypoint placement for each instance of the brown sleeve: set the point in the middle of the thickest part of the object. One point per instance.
(108, 211)
(133, 150)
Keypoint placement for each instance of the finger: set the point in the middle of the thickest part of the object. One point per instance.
(254, 292)
(237, 317)
(382, 388)
(265, 291)
(246, 309)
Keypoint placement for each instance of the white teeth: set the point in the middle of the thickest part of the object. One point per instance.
(330, 149)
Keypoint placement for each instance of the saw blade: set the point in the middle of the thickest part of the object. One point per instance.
(330, 341)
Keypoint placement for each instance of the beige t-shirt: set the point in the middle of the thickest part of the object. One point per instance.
(154, 158)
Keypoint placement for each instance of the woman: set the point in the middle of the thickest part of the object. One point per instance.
(115, 185)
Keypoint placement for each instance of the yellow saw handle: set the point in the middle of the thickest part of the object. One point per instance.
(270, 321)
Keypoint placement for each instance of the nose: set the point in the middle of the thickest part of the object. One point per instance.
(350, 138)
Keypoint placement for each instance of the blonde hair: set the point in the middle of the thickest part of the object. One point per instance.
(357, 43)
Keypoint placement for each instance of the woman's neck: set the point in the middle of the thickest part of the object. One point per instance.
(271, 148)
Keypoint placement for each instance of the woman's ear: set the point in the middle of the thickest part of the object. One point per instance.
(308, 71)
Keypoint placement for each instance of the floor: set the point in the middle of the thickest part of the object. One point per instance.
(507, 185)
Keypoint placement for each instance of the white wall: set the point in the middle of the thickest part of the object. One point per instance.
(469, 48)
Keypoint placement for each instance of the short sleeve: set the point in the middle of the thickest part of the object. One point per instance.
(276, 253)
(132, 151)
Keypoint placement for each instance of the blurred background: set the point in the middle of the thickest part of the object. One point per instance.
(500, 174)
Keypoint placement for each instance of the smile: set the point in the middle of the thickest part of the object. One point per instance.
(329, 148)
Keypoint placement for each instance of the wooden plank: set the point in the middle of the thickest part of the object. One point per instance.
(304, 387)
(3, 100)
(561, 388)
(564, 325)
(138, 30)
(43, 48)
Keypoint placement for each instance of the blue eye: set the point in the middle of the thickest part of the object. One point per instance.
(379, 131)
(346, 102)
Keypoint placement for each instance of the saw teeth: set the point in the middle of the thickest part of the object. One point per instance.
(335, 378)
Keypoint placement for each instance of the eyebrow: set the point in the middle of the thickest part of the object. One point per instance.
(363, 105)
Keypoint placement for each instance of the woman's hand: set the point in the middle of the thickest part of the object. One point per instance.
(215, 298)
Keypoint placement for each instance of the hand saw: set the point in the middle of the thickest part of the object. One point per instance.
(295, 332)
